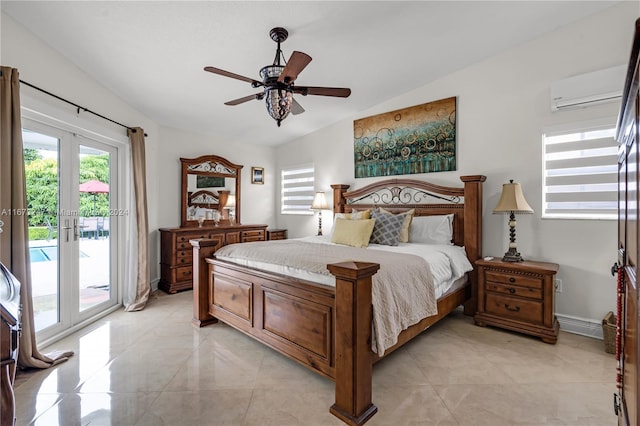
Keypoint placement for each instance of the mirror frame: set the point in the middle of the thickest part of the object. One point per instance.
(210, 165)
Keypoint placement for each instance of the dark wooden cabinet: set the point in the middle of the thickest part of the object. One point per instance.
(276, 234)
(9, 338)
(176, 254)
(628, 316)
(518, 296)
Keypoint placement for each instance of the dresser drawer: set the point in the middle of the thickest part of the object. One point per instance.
(183, 273)
(176, 274)
(256, 235)
(514, 307)
(514, 290)
(512, 278)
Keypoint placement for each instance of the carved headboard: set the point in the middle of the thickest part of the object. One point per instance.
(204, 199)
(398, 195)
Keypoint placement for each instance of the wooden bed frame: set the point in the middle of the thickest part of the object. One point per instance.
(328, 329)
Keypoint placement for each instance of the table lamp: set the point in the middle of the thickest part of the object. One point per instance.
(512, 201)
(231, 206)
(319, 203)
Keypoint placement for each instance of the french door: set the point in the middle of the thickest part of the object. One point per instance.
(73, 222)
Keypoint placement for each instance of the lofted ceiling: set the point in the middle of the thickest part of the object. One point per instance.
(151, 54)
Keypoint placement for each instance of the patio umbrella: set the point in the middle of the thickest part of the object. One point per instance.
(94, 187)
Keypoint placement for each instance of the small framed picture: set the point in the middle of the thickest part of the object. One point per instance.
(257, 175)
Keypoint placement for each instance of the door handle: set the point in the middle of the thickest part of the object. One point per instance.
(75, 229)
(66, 227)
(614, 268)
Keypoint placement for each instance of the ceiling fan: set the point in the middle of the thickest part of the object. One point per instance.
(278, 82)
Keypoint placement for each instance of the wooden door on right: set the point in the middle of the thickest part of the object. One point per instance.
(628, 239)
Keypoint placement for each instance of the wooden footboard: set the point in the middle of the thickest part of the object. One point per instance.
(324, 328)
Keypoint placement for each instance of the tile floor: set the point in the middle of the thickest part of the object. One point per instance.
(154, 368)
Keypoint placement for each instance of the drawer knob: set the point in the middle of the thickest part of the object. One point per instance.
(512, 309)
(512, 290)
(512, 280)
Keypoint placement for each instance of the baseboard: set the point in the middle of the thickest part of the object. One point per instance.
(582, 326)
(154, 284)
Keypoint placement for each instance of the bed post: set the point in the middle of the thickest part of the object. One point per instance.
(338, 198)
(352, 341)
(202, 249)
(473, 232)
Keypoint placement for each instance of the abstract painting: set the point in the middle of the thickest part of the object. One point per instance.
(417, 139)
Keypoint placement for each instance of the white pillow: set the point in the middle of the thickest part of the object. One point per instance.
(432, 229)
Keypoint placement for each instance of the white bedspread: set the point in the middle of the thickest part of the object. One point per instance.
(403, 289)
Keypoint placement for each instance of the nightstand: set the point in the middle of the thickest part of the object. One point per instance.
(276, 234)
(518, 296)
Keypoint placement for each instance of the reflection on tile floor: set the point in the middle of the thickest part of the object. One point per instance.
(154, 368)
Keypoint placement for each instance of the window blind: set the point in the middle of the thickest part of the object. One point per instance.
(297, 189)
(581, 174)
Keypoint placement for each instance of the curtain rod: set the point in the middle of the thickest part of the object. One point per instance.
(78, 106)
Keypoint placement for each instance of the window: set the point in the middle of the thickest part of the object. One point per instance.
(297, 189)
(581, 173)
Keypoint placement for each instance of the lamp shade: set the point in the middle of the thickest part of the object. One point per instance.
(231, 201)
(319, 202)
(512, 200)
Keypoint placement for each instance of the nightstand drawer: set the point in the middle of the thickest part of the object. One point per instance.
(521, 309)
(514, 290)
(508, 278)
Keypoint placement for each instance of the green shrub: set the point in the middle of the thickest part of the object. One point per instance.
(40, 233)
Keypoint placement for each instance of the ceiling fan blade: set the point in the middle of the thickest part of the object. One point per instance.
(296, 108)
(340, 92)
(254, 83)
(245, 99)
(297, 62)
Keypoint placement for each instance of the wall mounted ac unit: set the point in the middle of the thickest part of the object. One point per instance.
(589, 89)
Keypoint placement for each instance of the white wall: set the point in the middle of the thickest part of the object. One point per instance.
(503, 107)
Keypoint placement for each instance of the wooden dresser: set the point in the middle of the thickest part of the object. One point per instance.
(518, 296)
(176, 254)
(9, 333)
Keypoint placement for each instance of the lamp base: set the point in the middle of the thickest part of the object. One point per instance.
(512, 256)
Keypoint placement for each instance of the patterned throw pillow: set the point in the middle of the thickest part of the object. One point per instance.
(387, 228)
(406, 225)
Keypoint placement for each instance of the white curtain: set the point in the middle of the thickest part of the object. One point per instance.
(137, 286)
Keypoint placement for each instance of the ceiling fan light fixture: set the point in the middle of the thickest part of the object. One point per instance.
(270, 73)
(278, 103)
(278, 82)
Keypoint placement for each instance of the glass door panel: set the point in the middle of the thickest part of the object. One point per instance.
(94, 256)
(41, 153)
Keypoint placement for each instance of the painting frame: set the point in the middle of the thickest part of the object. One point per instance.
(257, 175)
(416, 139)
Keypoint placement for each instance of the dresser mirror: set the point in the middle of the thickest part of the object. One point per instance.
(210, 191)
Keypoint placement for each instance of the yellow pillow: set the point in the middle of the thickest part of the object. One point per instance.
(406, 224)
(354, 215)
(354, 233)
